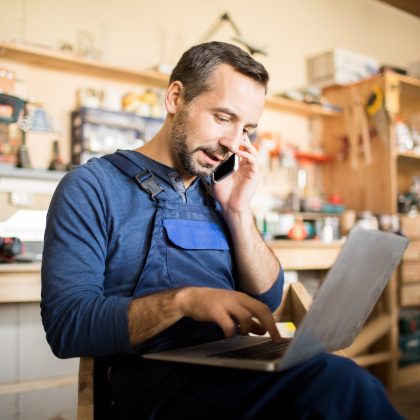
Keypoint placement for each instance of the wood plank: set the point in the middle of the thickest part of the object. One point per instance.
(410, 271)
(20, 286)
(410, 294)
(300, 108)
(371, 332)
(301, 302)
(20, 268)
(284, 312)
(305, 255)
(72, 63)
(412, 253)
(85, 392)
(295, 304)
(411, 225)
(373, 359)
(408, 375)
(408, 154)
(37, 384)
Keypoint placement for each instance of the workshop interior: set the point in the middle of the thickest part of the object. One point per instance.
(338, 147)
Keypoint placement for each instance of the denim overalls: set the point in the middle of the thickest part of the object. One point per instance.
(190, 246)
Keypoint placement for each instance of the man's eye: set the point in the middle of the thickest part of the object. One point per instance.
(222, 119)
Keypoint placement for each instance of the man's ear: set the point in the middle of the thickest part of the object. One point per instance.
(173, 96)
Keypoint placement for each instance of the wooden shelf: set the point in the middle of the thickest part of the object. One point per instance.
(20, 283)
(299, 108)
(407, 80)
(306, 255)
(408, 375)
(12, 172)
(20, 387)
(410, 155)
(63, 61)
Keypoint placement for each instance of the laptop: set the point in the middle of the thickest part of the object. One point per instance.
(342, 305)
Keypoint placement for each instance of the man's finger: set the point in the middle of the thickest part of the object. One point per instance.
(257, 328)
(264, 316)
(242, 317)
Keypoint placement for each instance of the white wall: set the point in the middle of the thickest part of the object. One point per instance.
(140, 33)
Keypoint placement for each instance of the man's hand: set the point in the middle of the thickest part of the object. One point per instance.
(235, 192)
(231, 310)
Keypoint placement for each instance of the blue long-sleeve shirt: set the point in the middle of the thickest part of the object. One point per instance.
(97, 236)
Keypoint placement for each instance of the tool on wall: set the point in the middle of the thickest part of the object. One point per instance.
(357, 128)
(376, 110)
(225, 17)
(15, 110)
(12, 108)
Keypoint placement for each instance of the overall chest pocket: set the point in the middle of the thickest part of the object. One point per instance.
(197, 254)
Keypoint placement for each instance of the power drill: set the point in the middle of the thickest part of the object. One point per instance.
(10, 248)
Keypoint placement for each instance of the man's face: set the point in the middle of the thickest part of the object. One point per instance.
(206, 131)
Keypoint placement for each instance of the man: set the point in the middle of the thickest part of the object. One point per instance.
(139, 256)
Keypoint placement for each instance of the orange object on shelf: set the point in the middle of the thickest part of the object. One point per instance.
(298, 231)
(313, 157)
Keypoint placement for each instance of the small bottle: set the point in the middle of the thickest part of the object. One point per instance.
(56, 163)
(403, 135)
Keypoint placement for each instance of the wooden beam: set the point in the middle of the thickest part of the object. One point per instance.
(301, 302)
(373, 359)
(408, 375)
(85, 393)
(37, 384)
(371, 332)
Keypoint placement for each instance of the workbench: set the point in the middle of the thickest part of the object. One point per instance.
(22, 282)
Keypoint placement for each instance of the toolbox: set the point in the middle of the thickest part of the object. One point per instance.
(409, 321)
(409, 348)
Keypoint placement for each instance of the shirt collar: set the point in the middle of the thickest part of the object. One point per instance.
(165, 173)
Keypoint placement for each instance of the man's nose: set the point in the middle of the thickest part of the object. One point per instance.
(233, 138)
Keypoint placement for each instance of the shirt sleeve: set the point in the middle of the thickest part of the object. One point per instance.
(272, 297)
(78, 318)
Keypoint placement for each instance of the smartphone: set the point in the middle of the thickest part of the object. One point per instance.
(226, 168)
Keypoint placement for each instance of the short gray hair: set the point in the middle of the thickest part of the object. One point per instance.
(197, 64)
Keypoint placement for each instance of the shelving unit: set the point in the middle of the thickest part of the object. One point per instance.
(72, 63)
(409, 155)
(7, 171)
(376, 186)
(92, 129)
(298, 108)
(43, 57)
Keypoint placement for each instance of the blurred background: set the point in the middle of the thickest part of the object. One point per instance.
(338, 143)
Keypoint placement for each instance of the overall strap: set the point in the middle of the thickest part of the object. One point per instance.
(206, 187)
(144, 179)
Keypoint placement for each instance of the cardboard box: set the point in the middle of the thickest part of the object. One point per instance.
(413, 69)
(340, 67)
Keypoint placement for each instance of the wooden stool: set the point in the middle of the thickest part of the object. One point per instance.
(85, 392)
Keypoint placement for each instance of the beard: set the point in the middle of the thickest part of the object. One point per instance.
(180, 138)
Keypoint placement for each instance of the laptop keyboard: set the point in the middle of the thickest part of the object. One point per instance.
(262, 351)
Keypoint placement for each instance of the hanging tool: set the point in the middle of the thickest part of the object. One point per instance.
(357, 128)
(378, 114)
(13, 107)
